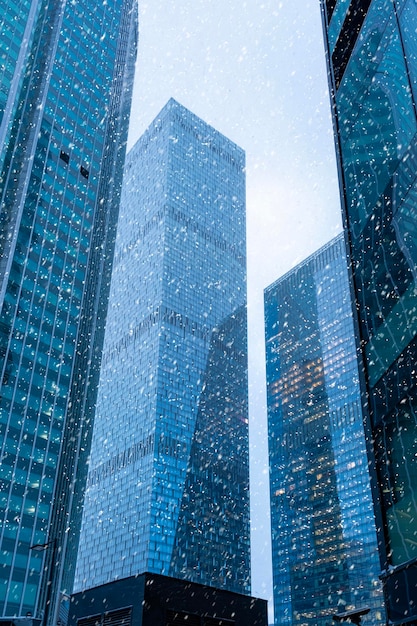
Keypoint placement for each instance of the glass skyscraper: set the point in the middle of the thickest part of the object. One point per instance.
(372, 54)
(168, 480)
(324, 546)
(66, 76)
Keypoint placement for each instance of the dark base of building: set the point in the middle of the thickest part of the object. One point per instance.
(155, 600)
(400, 589)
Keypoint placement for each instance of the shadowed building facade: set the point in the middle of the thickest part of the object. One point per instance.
(324, 548)
(64, 106)
(155, 600)
(168, 480)
(372, 58)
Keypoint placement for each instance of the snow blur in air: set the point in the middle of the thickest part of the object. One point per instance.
(256, 72)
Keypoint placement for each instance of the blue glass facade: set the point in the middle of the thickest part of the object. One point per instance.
(64, 108)
(168, 480)
(372, 57)
(324, 546)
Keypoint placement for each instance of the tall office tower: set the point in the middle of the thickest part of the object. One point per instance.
(168, 480)
(372, 58)
(65, 87)
(325, 557)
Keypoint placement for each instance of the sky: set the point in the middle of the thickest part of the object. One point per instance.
(256, 72)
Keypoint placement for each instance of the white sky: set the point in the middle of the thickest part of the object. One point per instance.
(256, 72)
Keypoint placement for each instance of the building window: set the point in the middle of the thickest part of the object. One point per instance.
(120, 617)
(178, 618)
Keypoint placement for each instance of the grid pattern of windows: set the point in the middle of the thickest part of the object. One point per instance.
(323, 530)
(56, 243)
(373, 71)
(168, 478)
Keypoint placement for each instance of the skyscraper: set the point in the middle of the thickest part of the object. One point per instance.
(65, 87)
(324, 547)
(168, 480)
(372, 56)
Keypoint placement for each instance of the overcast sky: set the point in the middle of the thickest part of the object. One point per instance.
(256, 72)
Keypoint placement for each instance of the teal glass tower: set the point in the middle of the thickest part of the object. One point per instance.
(372, 55)
(324, 546)
(167, 488)
(66, 77)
